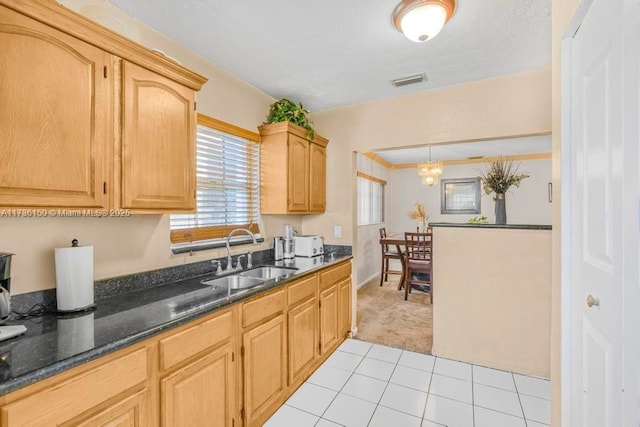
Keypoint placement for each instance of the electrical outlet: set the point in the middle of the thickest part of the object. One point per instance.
(337, 231)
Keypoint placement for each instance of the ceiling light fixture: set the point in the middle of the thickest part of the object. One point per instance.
(430, 172)
(422, 20)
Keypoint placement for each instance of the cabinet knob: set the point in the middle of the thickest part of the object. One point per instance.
(591, 301)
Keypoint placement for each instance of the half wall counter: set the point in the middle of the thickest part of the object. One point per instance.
(492, 295)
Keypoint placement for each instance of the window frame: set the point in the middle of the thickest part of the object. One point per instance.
(383, 185)
(212, 236)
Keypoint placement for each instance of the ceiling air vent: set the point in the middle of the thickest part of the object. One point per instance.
(409, 80)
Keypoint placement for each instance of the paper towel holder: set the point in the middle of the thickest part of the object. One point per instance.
(74, 278)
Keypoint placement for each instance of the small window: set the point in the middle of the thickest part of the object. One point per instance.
(227, 195)
(370, 199)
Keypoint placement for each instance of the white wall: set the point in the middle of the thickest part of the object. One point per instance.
(367, 250)
(528, 204)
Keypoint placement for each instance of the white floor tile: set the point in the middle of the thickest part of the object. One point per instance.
(412, 378)
(312, 398)
(287, 416)
(386, 417)
(349, 411)
(355, 346)
(404, 399)
(365, 388)
(452, 368)
(452, 388)
(451, 413)
(427, 423)
(326, 423)
(497, 399)
(332, 378)
(493, 377)
(536, 409)
(488, 418)
(424, 362)
(384, 353)
(375, 368)
(530, 386)
(536, 424)
(342, 360)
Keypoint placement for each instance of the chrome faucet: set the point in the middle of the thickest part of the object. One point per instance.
(229, 267)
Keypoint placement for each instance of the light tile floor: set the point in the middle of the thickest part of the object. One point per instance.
(363, 384)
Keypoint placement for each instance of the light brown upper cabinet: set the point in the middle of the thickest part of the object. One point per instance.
(89, 119)
(293, 170)
(55, 117)
(157, 161)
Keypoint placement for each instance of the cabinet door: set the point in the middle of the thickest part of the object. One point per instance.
(298, 176)
(328, 318)
(128, 412)
(265, 370)
(202, 393)
(158, 143)
(55, 117)
(303, 337)
(344, 312)
(317, 178)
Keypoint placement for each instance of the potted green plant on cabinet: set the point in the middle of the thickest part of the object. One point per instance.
(498, 177)
(285, 110)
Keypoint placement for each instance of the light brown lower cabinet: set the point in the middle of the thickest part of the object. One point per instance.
(230, 368)
(128, 412)
(265, 369)
(201, 393)
(303, 338)
(344, 307)
(328, 318)
(100, 393)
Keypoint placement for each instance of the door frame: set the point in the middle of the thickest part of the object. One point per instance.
(566, 186)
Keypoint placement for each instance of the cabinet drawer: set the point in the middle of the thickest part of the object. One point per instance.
(183, 345)
(263, 307)
(335, 274)
(71, 398)
(302, 290)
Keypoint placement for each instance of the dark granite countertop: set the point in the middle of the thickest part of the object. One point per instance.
(504, 226)
(55, 343)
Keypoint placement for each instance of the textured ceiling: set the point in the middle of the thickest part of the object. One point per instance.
(327, 53)
(492, 148)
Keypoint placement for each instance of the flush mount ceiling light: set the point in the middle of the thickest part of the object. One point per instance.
(430, 172)
(422, 20)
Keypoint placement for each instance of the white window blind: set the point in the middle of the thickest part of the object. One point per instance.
(370, 199)
(228, 185)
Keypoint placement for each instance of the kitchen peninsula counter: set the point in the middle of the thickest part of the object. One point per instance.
(56, 343)
(492, 295)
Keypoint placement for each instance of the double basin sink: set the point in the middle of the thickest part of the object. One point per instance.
(249, 279)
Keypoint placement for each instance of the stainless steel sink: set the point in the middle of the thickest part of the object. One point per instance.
(267, 273)
(235, 282)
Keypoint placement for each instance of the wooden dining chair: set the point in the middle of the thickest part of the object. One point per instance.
(419, 262)
(388, 253)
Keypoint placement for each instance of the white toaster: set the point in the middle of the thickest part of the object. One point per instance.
(308, 246)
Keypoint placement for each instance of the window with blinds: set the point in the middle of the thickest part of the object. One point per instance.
(370, 199)
(228, 184)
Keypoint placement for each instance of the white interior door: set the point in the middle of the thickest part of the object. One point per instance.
(631, 218)
(597, 171)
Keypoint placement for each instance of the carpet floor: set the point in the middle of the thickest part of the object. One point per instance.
(384, 317)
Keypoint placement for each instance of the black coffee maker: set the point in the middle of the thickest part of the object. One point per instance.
(5, 270)
(5, 286)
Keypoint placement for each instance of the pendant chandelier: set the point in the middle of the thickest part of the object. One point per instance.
(430, 172)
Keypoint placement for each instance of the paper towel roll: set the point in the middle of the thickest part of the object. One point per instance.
(74, 278)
